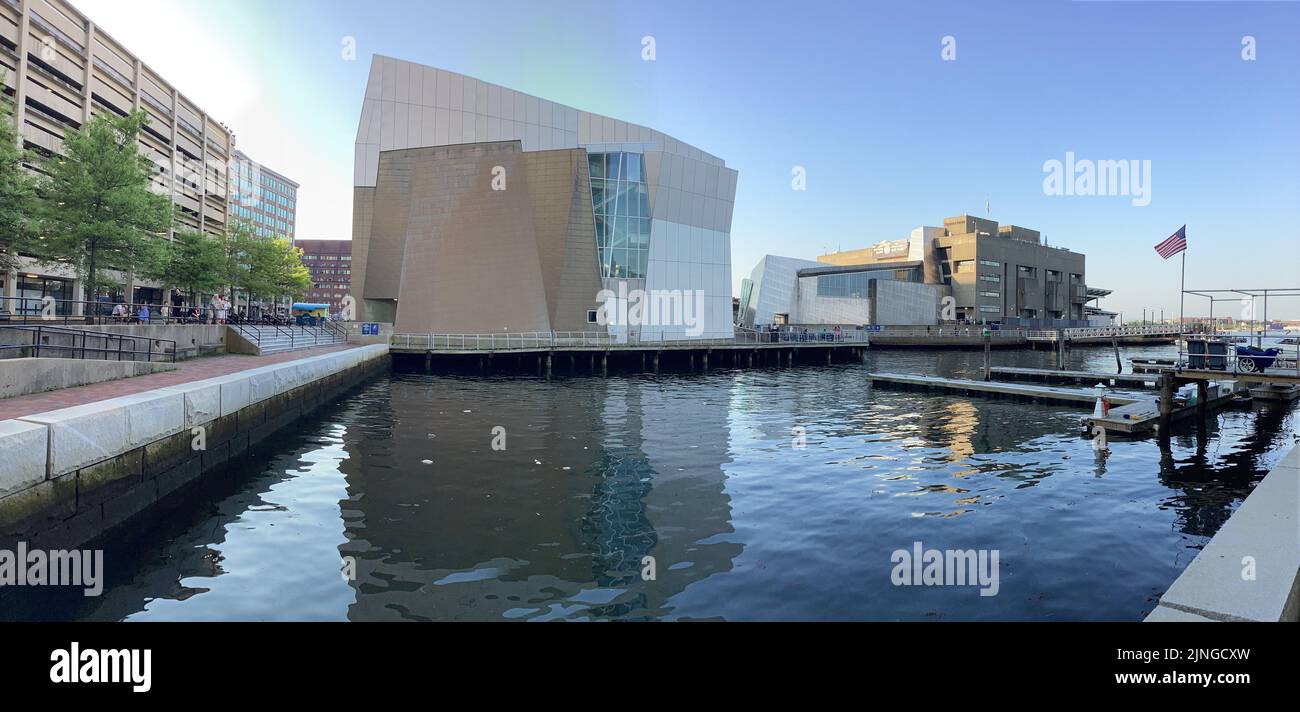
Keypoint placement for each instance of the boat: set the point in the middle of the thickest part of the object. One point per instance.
(1276, 391)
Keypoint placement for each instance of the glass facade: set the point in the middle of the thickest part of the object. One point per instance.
(621, 203)
(855, 284)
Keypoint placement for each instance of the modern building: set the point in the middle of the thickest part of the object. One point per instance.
(59, 69)
(482, 209)
(330, 264)
(264, 198)
(785, 291)
(996, 274)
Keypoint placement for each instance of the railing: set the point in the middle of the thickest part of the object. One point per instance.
(950, 332)
(1099, 332)
(581, 339)
(298, 334)
(40, 335)
(47, 310)
(1234, 362)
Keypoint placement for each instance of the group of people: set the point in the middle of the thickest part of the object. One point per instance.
(219, 305)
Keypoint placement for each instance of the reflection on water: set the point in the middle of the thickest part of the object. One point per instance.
(761, 494)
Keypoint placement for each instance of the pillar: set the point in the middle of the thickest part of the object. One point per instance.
(1166, 404)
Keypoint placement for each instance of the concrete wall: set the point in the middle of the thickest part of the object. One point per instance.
(897, 303)
(69, 475)
(191, 339)
(21, 376)
(1266, 530)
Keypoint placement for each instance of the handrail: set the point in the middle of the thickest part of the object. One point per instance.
(548, 340)
(39, 331)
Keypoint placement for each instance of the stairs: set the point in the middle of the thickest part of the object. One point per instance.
(278, 339)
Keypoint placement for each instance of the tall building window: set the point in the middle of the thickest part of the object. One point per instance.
(621, 204)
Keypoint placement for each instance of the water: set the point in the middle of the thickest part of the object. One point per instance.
(702, 473)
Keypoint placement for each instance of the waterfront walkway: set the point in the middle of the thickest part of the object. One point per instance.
(185, 372)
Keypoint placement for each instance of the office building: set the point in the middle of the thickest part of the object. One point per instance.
(265, 199)
(996, 274)
(330, 264)
(59, 69)
(480, 209)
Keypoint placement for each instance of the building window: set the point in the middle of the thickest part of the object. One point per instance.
(964, 266)
(990, 278)
(591, 316)
(994, 295)
(991, 263)
(621, 204)
(989, 309)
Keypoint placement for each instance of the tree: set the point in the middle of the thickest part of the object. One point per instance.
(193, 262)
(276, 269)
(237, 246)
(99, 212)
(17, 193)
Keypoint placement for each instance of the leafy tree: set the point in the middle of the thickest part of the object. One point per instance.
(193, 262)
(17, 193)
(276, 269)
(237, 248)
(99, 213)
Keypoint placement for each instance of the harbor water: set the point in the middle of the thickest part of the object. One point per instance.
(754, 494)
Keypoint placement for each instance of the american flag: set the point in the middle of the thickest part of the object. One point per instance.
(1176, 243)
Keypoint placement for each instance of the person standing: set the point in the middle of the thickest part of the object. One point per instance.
(221, 306)
(178, 300)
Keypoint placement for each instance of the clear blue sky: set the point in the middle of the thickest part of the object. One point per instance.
(892, 137)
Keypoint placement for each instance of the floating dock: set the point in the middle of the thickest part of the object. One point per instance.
(1075, 396)
(1145, 414)
(1050, 375)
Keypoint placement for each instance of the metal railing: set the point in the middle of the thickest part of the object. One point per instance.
(949, 332)
(1099, 332)
(299, 336)
(580, 339)
(1279, 359)
(47, 310)
(41, 336)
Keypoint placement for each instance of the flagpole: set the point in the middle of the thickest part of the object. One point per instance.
(1182, 286)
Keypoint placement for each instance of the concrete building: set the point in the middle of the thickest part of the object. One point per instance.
(481, 209)
(264, 198)
(789, 291)
(59, 69)
(996, 274)
(330, 264)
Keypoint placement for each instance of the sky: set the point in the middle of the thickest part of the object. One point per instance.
(890, 134)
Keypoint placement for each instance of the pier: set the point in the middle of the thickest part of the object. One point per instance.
(1051, 375)
(597, 352)
(1073, 396)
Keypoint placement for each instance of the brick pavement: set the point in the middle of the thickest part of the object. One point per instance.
(195, 369)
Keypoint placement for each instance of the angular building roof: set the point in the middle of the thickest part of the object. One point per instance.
(409, 105)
